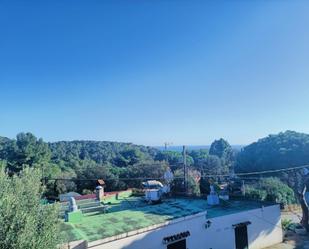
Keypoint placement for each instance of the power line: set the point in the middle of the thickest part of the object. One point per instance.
(203, 176)
(108, 179)
(273, 171)
(261, 172)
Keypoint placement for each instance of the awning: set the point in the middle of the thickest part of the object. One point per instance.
(176, 237)
(246, 223)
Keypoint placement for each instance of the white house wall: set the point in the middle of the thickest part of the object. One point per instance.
(264, 230)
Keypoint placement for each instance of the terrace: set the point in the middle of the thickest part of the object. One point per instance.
(130, 213)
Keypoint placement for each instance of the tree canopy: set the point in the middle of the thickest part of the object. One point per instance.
(26, 150)
(283, 150)
(76, 164)
(271, 189)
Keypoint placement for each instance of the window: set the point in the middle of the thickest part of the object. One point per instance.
(181, 244)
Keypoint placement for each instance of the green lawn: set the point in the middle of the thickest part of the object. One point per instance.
(131, 213)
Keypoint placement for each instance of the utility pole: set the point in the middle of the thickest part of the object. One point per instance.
(184, 168)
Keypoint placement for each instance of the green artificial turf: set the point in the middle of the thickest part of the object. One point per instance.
(131, 213)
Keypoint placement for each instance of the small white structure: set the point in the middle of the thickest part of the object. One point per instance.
(168, 176)
(153, 195)
(224, 194)
(72, 205)
(212, 198)
(154, 190)
(99, 190)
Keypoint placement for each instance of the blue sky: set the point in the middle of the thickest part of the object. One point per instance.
(147, 72)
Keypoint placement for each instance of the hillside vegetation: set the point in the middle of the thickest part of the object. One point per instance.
(76, 164)
(283, 150)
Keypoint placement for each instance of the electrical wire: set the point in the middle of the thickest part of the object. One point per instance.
(261, 172)
(202, 176)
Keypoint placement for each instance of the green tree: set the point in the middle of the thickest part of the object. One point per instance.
(88, 172)
(27, 150)
(25, 223)
(198, 155)
(145, 170)
(271, 189)
(129, 157)
(220, 148)
(174, 158)
(67, 184)
(2, 165)
(192, 182)
(279, 151)
(212, 165)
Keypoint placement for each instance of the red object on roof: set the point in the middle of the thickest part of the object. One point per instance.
(101, 182)
(85, 197)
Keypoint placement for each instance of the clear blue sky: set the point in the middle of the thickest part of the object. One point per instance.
(154, 71)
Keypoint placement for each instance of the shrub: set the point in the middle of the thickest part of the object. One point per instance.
(287, 224)
(271, 189)
(25, 222)
(254, 193)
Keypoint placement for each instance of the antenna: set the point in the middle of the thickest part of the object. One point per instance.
(166, 144)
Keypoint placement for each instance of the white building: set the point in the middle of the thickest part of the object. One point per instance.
(238, 226)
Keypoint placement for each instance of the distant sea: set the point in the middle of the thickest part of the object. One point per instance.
(194, 147)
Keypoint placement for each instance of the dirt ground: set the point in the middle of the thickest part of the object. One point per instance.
(293, 241)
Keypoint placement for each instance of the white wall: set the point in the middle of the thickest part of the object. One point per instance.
(264, 230)
(79, 244)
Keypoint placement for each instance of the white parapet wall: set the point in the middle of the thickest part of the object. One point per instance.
(264, 230)
(79, 244)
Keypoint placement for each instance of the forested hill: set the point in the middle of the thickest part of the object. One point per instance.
(80, 161)
(283, 150)
(121, 165)
(67, 156)
(101, 152)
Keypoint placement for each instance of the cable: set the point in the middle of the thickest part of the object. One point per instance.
(261, 172)
(108, 179)
(202, 176)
